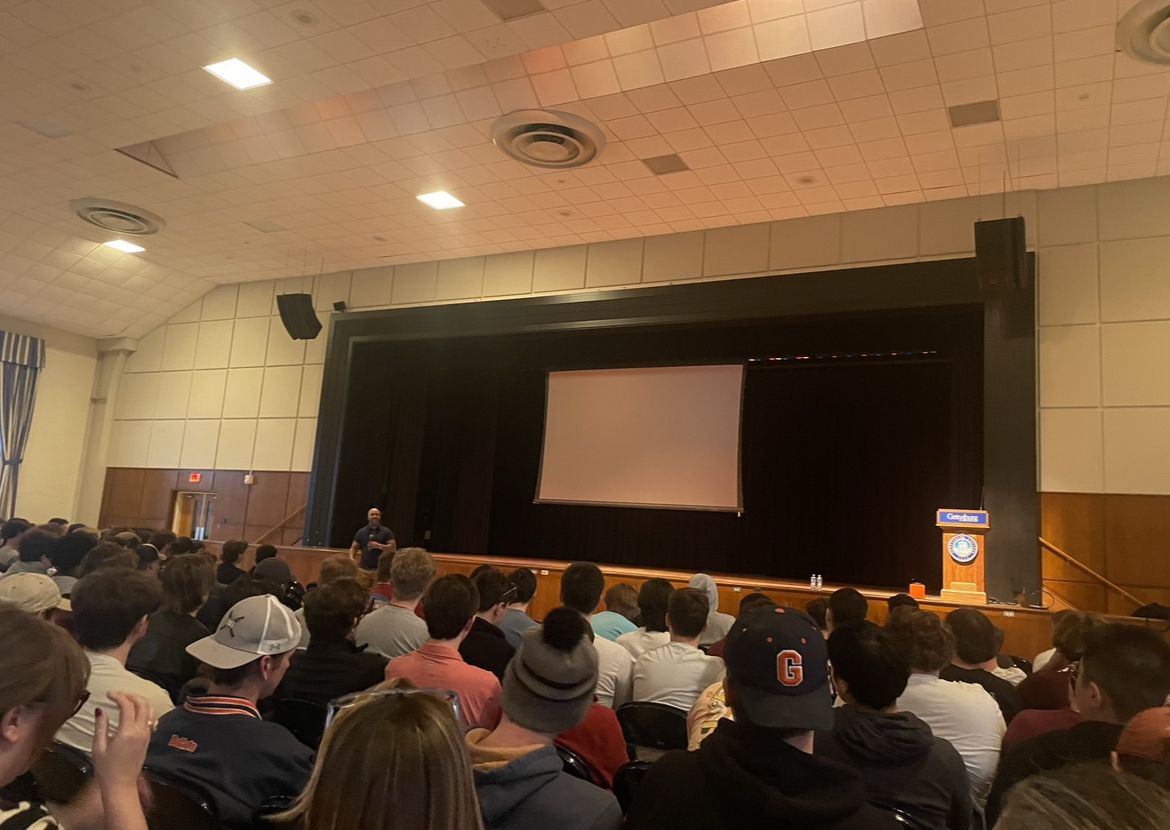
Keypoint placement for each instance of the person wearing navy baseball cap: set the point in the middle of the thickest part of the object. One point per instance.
(758, 771)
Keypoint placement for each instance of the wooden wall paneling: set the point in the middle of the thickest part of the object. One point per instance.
(1075, 523)
(125, 491)
(107, 495)
(231, 504)
(158, 496)
(1137, 529)
(266, 501)
(1082, 595)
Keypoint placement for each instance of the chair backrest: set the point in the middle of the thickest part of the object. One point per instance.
(177, 804)
(653, 725)
(60, 772)
(574, 764)
(626, 781)
(304, 718)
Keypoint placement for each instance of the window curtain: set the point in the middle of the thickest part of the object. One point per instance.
(21, 361)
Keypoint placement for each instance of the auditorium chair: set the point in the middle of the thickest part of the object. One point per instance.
(60, 772)
(653, 725)
(176, 804)
(574, 764)
(304, 718)
(626, 781)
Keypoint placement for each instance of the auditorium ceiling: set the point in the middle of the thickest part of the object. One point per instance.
(772, 108)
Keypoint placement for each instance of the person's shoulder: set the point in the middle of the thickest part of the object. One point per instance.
(26, 816)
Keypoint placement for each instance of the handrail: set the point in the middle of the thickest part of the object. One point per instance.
(266, 534)
(1076, 563)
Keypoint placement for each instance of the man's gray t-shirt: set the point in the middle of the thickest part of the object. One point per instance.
(392, 631)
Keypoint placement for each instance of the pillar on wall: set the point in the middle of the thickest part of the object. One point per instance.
(112, 355)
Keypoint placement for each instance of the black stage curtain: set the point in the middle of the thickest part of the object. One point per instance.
(844, 460)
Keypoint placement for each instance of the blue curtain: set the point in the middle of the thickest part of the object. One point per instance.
(21, 361)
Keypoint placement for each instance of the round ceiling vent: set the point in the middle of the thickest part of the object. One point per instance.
(1144, 32)
(118, 217)
(544, 138)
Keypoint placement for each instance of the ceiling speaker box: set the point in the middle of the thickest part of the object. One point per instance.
(298, 316)
(1001, 256)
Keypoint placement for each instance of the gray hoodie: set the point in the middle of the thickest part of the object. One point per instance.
(527, 789)
(717, 624)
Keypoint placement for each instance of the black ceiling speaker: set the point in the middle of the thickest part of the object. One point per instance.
(1001, 256)
(298, 316)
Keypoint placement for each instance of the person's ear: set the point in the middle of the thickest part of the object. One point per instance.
(15, 722)
(1097, 696)
(829, 618)
(140, 629)
(1115, 761)
(470, 623)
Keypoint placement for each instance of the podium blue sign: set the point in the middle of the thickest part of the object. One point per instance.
(970, 518)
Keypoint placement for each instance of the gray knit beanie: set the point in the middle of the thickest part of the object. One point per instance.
(549, 684)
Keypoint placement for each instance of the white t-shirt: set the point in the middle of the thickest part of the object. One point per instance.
(1042, 659)
(964, 714)
(640, 641)
(108, 675)
(614, 665)
(675, 674)
(392, 631)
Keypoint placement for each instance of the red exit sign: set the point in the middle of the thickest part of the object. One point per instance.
(195, 478)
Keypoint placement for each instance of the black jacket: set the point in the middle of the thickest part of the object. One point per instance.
(743, 777)
(329, 668)
(1087, 741)
(161, 655)
(903, 765)
(1005, 694)
(487, 647)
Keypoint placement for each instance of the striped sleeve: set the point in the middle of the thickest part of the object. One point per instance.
(26, 816)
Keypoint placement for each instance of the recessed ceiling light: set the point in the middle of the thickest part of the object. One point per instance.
(980, 112)
(124, 246)
(238, 74)
(440, 200)
(661, 165)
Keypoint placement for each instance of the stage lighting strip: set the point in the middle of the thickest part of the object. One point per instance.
(813, 358)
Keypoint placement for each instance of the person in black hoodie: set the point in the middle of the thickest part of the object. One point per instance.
(486, 646)
(758, 771)
(903, 765)
(976, 648)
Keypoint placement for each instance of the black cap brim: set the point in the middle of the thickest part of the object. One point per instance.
(810, 711)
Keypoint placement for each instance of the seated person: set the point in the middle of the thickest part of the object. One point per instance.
(581, 587)
(33, 593)
(229, 571)
(845, 605)
(1086, 797)
(757, 772)
(817, 608)
(747, 602)
(718, 624)
(161, 655)
(485, 645)
(270, 566)
(332, 665)
(600, 742)
(394, 629)
(976, 648)
(224, 597)
(548, 690)
(1144, 746)
(961, 713)
(66, 557)
(10, 535)
(381, 593)
(621, 609)
(901, 601)
(451, 604)
(516, 620)
(218, 741)
(111, 612)
(36, 548)
(1125, 669)
(395, 753)
(337, 566)
(651, 632)
(677, 673)
(904, 766)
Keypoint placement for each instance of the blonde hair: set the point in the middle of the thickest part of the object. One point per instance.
(386, 761)
(39, 664)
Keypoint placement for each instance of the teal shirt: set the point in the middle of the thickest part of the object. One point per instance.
(611, 625)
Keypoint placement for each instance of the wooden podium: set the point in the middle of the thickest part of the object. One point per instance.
(963, 551)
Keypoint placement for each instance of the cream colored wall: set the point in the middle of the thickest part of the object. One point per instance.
(222, 385)
(50, 474)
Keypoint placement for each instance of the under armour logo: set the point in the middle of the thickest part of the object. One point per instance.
(230, 624)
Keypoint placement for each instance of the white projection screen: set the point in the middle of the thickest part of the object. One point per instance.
(665, 437)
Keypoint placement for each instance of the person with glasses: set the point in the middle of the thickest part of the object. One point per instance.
(486, 646)
(391, 757)
(218, 741)
(43, 675)
(1124, 670)
(111, 612)
(332, 665)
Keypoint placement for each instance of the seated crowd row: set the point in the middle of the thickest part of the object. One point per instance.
(445, 702)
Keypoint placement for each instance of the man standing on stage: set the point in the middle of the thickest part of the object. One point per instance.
(371, 540)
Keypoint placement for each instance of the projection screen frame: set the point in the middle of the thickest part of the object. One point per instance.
(661, 365)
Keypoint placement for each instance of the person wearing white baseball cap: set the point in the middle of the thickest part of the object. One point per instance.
(217, 740)
(34, 593)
